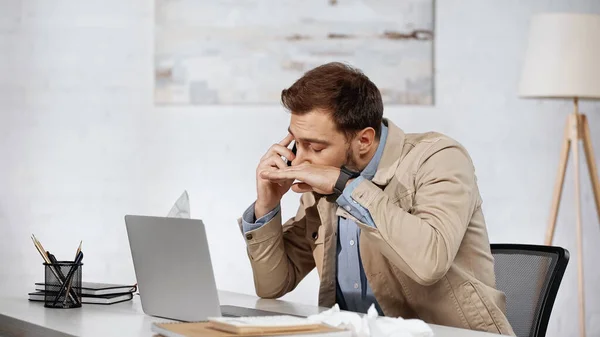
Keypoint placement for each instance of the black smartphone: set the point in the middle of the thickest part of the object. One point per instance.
(289, 162)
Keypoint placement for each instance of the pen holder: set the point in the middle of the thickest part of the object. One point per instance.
(62, 285)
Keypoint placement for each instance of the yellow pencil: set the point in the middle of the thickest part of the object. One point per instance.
(39, 243)
(40, 249)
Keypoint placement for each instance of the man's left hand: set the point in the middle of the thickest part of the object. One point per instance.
(317, 178)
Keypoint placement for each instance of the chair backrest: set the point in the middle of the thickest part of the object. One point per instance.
(530, 276)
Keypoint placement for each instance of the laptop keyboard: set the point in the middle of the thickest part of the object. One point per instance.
(234, 311)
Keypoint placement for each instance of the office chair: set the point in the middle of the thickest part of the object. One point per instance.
(530, 276)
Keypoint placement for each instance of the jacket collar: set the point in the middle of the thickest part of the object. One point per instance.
(392, 152)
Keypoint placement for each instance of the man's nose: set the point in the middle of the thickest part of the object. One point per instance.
(300, 158)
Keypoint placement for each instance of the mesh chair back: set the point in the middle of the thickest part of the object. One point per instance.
(530, 276)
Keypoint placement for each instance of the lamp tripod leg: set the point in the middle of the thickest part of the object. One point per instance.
(560, 180)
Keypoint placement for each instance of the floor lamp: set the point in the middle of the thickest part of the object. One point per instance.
(563, 61)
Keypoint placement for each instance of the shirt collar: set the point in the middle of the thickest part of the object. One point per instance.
(371, 169)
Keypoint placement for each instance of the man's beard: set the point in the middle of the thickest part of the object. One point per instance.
(349, 162)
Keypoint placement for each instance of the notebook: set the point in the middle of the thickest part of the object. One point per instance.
(89, 299)
(262, 324)
(91, 288)
(208, 329)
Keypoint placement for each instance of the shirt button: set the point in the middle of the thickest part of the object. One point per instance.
(351, 242)
(355, 285)
(249, 236)
(354, 201)
(348, 208)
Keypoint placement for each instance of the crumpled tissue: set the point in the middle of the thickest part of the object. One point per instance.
(372, 325)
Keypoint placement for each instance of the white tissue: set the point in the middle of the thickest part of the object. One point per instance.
(181, 208)
(372, 325)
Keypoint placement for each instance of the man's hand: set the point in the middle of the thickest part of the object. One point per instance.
(320, 179)
(269, 193)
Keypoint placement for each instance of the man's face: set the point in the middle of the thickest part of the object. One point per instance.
(318, 141)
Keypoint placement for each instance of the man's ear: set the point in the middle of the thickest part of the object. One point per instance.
(365, 139)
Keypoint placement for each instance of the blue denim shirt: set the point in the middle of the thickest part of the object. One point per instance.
(353, 290)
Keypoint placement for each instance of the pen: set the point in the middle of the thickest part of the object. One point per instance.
(69, 276)
(54, 261)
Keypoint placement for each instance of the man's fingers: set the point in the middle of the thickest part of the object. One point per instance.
(274, 161)
(278, 175)
(281, 182)
(263, 173)
(301, 188)
(287, 140)
(280, 151)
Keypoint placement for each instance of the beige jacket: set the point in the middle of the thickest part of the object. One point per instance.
(429, 255)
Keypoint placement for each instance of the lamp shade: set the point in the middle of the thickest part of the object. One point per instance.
(563, 57)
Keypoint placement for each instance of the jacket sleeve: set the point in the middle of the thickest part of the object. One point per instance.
(280, 256)
(248, 219)
(424, 242)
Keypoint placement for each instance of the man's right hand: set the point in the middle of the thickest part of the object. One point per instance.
(269, 193)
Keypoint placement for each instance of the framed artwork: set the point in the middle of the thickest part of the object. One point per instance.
(246, 51)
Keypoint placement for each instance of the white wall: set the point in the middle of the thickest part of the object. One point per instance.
(81, 143)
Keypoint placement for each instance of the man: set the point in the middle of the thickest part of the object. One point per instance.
(389, 219)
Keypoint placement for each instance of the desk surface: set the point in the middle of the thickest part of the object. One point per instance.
(20, 317)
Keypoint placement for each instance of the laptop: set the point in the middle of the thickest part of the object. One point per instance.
(174, 270)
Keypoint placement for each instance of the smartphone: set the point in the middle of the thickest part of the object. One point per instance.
(289, 162)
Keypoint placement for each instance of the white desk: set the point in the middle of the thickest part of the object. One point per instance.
(20, 317)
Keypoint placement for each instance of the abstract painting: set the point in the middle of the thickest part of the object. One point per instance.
(246, 51)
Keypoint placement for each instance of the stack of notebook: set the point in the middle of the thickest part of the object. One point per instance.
(94, 293)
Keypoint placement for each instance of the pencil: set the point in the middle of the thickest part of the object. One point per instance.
(40, 249)
(38, 243)
(78, 249)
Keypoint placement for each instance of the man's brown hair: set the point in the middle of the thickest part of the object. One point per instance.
(345, 92)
